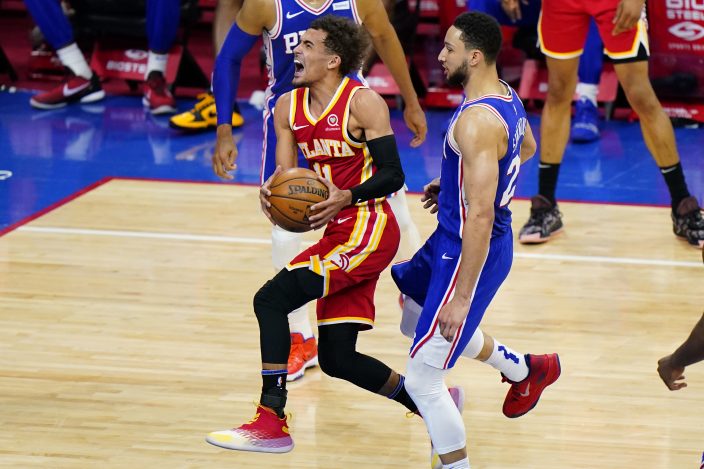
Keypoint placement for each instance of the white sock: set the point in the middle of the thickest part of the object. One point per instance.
(585, 90)
(156, 63)
(509, 362)
(410, 237)
(461, 464)
(72, 57)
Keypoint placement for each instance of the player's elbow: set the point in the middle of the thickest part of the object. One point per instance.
(398, 179)
(528, 149)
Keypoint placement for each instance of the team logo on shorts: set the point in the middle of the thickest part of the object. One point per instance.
(136, 54)
(342, 261)
(333, 120)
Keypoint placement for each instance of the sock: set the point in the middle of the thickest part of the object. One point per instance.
(274, 390)
(156, 63)
(298, 322)
(401, 396)
(72, 57)
(585, 90)
(461, 464)
(410, 237)
(510, 363)
(674, 178)
(547, 180)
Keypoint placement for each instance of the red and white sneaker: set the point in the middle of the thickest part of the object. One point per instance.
(457, 394)
(73, 89)
(303, 355)
(265, 433)
(523, 396)
(157, 96)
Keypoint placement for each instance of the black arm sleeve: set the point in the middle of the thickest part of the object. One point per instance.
(388, 177)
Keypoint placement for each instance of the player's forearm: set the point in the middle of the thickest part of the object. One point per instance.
(389, 49)
(387, 178)
(692, 350)
(476, 237)
(226, 72)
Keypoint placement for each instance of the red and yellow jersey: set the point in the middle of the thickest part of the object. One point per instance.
(327, 146)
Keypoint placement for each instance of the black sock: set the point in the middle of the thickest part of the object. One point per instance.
(547, 180)
(401, 396)
(674, 178)
(274, 390)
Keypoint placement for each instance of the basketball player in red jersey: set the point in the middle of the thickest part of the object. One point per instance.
(344, 132)
(562, 30)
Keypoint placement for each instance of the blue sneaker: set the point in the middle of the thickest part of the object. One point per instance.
(585, 124)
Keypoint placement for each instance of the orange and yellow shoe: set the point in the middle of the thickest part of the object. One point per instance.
(202, 117)
(304, 354)
(265, 433)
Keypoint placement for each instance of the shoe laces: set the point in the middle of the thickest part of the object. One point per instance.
(204, 100)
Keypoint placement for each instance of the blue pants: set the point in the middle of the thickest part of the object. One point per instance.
(429, 278)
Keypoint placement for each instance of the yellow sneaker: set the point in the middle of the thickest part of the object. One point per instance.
(202, 117)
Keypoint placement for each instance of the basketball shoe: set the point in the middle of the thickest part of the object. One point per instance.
(304, 354)
(688, 223)
(457, 394)
(203, 116)
(265, 433)
(72, 89)
(544, 222)
(543, 370)
(585, 125)
(157, 97)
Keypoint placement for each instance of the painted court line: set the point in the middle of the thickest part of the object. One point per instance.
(242, 240)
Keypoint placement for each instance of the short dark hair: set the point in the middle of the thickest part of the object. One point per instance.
(480, 31)
(343, 39)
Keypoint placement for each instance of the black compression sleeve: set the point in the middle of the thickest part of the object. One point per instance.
(388, 177)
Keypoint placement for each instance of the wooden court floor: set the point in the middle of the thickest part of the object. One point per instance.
(126, 334)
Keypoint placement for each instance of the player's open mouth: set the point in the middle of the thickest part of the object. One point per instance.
(298, 67)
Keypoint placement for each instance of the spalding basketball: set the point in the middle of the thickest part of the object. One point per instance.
(292, 193)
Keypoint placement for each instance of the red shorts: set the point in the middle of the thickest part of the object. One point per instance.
(358, 244)
(563, 27)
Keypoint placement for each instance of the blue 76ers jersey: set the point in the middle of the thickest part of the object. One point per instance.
(453, 206)
(293, 17)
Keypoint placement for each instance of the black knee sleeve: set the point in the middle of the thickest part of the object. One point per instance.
(337, 357)
(287, 291)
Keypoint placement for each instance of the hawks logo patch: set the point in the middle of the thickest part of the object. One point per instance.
(342, 261)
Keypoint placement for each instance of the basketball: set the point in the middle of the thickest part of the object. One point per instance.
(292, 193)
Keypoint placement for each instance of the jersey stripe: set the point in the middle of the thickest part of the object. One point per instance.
(493, 110)
(331, 104)
(315, 11)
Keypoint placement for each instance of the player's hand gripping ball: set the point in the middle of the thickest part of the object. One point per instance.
(292, 193)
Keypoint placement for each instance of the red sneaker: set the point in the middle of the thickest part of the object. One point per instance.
(523, 396)
(265, 433)
(73, 89)
(157, 96)
(304, 354)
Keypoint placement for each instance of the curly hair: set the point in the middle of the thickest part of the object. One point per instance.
(480, 31)
(343, 39)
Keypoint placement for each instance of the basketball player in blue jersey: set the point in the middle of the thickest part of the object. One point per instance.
(455, 275)
(82, 85)
(281, 23)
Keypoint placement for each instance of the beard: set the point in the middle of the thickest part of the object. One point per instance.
(458, 77)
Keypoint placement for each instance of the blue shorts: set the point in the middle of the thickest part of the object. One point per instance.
(430, 277)
(529, 13)
(269, 146)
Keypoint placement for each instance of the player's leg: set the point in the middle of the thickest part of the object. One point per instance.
(163, 18)
(585, 124)
(82, 84)
(203, 115)
(268, 432)
(285, 246)
(410, 237)
(562, 30)
(629, 51)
